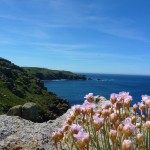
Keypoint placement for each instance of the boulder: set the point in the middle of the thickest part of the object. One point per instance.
(15, 111)
(30, 111)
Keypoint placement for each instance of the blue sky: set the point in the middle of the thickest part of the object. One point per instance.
(101, 36)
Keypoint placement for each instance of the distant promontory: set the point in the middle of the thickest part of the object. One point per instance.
(48, 74)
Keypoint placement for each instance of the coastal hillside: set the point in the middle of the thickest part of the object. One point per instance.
(48, 74)
(18, 86)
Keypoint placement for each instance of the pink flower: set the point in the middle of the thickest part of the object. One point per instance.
(105, 113)
(147, 102)
(60, 130)
(135, 107)
(98, 120)
(113, 135)
(106, 105)
(89, 106)
(145, 98)
(68, 119)
(127, 121)
(128, 128)
(89, 97)
(75, 128)
(58, 135)
(127, 101)
(81, 135)
(140, 138)
(113, 117)
(141, 106)
(123, 94)
(127, 145)
(147, 124)
(65, 126)
(118, 105)
(129, 97)
(113, 97)
(76, 109)
(82, 138)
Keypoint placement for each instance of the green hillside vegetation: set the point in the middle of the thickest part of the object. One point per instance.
(17, 87)
(47, 74)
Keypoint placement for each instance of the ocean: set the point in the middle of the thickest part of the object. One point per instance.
(75, 90)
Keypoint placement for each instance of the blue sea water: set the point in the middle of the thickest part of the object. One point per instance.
(75, 90)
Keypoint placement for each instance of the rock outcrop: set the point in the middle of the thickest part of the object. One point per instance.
(28, 111)
(17, 133)
(15, 111)
(20, 134)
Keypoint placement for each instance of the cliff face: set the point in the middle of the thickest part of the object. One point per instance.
(17, 86)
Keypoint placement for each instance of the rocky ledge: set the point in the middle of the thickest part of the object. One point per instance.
(20, 134)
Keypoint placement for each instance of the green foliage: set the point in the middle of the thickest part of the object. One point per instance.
(47, 74)
(17, 86)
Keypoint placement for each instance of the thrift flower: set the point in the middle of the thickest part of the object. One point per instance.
(127, 101)
(139, 138)
(58, 135)
(89, 97)
(106, 105)
(82, 139)
(76, 109)
(128, 128)
(145, 98)
(113, 135)
(98, 122)
(123, 94)
(141, 106)
(105, 113)
(135, 107)
(113, 117)
(89, 106)
(75, 128)
(113, 97)
(147, 124)
(127, 145)
(118, 105)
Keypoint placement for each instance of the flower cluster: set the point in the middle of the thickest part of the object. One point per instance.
(113, 125)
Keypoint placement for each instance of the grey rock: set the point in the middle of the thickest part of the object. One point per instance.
(20, 134)
(15, 111)
(30, 112)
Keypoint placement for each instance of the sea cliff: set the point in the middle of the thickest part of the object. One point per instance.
(18, 86)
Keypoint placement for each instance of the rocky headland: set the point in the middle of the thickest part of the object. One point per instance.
(48, 74)
(23, 86)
